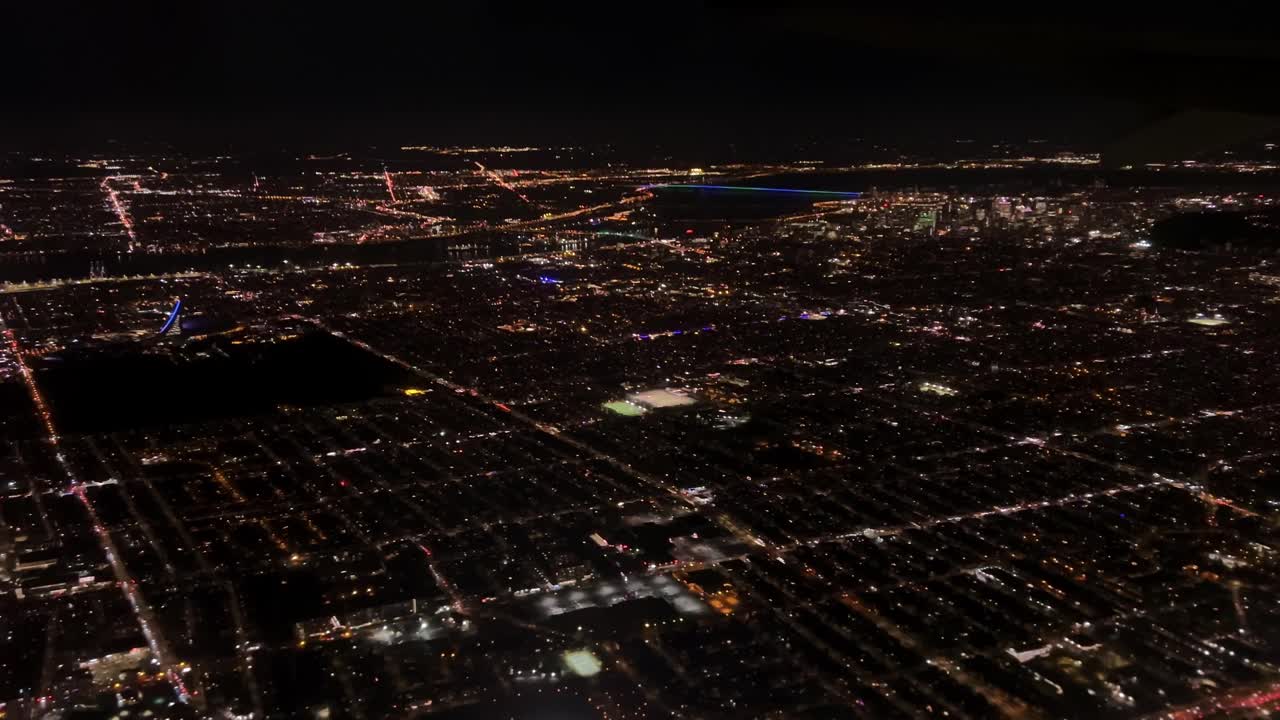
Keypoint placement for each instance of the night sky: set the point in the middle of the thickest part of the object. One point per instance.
(276, 72)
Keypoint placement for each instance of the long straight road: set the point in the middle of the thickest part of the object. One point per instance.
(143, 613)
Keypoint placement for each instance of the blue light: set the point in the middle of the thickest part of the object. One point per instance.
(747, 188)
(173, 317)
(547, 280)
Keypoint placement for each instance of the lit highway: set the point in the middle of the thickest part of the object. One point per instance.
(143, 613)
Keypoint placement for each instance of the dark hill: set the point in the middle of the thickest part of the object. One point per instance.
(1220, 231)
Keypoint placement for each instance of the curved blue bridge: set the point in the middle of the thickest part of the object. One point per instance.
(173, 317)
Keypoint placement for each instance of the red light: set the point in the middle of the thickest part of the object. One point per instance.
(343, 483)
(689, 231)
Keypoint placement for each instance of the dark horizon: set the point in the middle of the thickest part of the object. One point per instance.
(100, 131)
(255, 74)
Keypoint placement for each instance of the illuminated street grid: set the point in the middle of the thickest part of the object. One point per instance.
(1024, 466)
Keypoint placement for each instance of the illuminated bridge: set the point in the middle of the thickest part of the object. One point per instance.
(173, 317)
